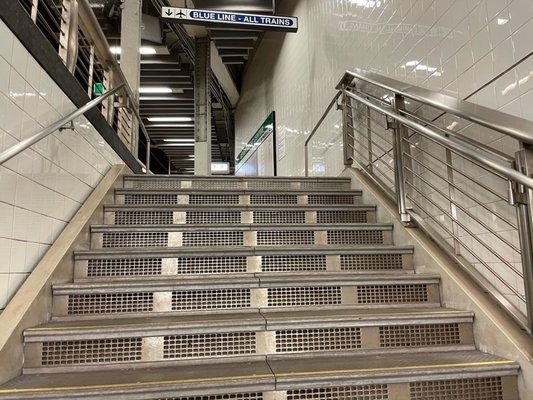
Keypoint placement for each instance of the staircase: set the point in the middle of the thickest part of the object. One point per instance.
(252, 289)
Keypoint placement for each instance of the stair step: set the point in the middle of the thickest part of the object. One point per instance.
(235, 182)
(237, 292)
(108, 236)
(137, 262)
(235, 197)
(388, 377)
(91, 345)
(237, 214)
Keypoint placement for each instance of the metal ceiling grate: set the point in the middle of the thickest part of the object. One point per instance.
(304, 296)
(364, 262)
(394, 293)
(419, 335)
(489, 388)
(362, 392)
(287, 263)
(211, 265)
(124, 267)
(355, 237)
(210, 299)
(340, 217)
(108, 303)
(209, 345)
(319, 339)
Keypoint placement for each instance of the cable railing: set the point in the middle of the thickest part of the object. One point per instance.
(461, 172)
(73, 30)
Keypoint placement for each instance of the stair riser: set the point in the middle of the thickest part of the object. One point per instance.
(237, 199)
(222, 238)
(201, 265)
(212, 299)
(91, 353)
(234, 184)
(237, 217)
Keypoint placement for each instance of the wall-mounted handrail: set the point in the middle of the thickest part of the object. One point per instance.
(24, 144)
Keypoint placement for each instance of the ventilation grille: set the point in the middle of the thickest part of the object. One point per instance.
(109, 303)
(213, 217)
(304, 296)
(216, 184)
(327, 339)
(273, 199)
(363, 262)
(339, 217)
(489, 388)
(211, 265)
(293, 263)
(419, 335)
(355, 237)
(143, 217)
(363, 392)
(211, 299)
(229, 396)
(214, 199)
(157, 184)
(213, 238)
(279, 217)
(124, 267)
(91, 351)
(378, 294)
(272, 238)
(266, 184)
(331, 199)
(209, 345)
(151, 199)
(135, 239)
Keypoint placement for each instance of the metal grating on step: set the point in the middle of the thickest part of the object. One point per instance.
(157, 184)
(273, 199)
(331, 199)
(364, 262)
(124, 267)
(319, 339)
(211, 265)
(151, 199)
(216, 184)
(228, 396)
(271, 238)
(213, 217)
(266, 184)
(210, 299)
(362, 392)
(293, 263)
(143, 217)
(355, 237)
(304, 296)
(339, 217)
(135, 239)
(108, 303)
(213, 238)
(489, 388)
(214, 199)
(327, 185)
(91, 351)
(394, 293)
(419, 335)
(279, 217)
(209, 345)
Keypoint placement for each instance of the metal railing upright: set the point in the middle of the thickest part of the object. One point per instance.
(461, 172)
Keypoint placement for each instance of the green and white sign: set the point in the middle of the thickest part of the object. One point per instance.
(98, 89)
(266, 129)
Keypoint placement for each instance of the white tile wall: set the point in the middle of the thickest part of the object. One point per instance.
(480, 50)
(42, 187)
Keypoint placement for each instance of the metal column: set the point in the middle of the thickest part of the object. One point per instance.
(202, 107)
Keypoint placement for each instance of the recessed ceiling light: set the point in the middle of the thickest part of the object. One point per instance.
(156, 98)
(154, 89)
(177, 145)
(169, 119)
(143, 50)
(171, 126)
(178, 140)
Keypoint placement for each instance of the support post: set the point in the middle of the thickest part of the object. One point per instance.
(91, 72)
(202, 107)
(68, 37)
(400, 132)
(369, 141)
(524, 198)
(347, 130)
(130, 58)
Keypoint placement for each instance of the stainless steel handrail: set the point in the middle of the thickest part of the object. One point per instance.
(24, 144)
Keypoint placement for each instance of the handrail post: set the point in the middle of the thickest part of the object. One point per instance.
(524, 200)
(68, 39)
(347, 140)
(148, 152)
(306, 158)
(400, 133)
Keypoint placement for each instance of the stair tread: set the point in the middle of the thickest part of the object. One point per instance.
(239, 207)
(240, 318)
(237, 178)
(356, 192)
(274, 373)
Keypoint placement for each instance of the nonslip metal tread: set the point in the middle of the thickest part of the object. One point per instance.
(239, 207)
(237, 178)
(259, 375)
(302, 192)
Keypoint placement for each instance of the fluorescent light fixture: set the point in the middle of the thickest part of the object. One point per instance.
(145, 50)
(178, 140)
(156, 98)
(220, 168)
(154, 89)
(169, 119)
(177, 145)
(502, 21)
(171, 126)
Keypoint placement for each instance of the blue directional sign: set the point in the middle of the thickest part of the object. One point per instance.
(195, 16)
